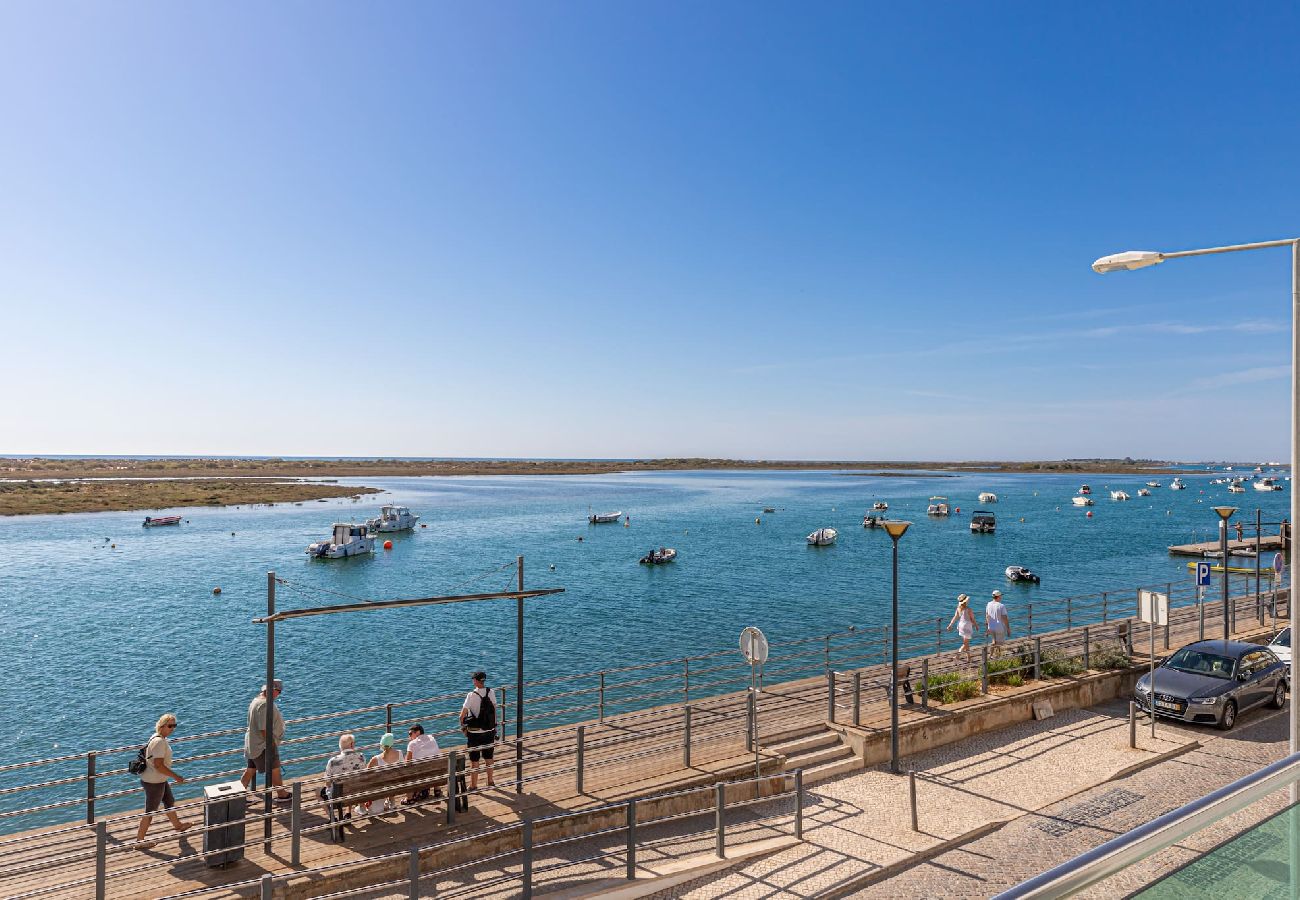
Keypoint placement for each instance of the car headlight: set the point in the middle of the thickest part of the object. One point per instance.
(1143, 689)
(1206, 701)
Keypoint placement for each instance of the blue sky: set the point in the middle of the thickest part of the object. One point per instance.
(645, 229)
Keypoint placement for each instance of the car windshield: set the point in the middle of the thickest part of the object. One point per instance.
(1198, 662)
(1283, 639)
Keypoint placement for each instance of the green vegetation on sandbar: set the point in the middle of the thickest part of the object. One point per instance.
(37, 497)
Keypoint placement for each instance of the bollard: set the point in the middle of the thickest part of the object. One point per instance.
(925, 682)
(911, 797)
(1103, 607)
(451, 787)
(984, 669)
(830, 697)
(295, 825)
(1031, 618)
(1087, 662)
(798, 804)
(631, 840)
(601, 707)
(582, 732)
(857, 698)
(720, 838)
(90, 788)
(1132, 725)
(388, 718)
(1038, 658)
(413, 874)
(527, 874)
(268, 886)
(101, 860)
(686, 738)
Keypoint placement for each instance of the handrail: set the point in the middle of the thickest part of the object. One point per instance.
(1100, 863)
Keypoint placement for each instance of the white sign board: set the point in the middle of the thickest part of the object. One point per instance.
(753, 645)
(1153, 607)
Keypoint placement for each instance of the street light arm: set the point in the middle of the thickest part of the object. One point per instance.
(1262, 245)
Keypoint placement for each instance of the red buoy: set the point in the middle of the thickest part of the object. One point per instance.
(1089, 514)
(388, 545)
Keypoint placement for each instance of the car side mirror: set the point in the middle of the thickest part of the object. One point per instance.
(1243, 676)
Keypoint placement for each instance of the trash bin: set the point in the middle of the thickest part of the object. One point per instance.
(224, 808)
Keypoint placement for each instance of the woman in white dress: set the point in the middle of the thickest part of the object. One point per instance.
(388, 755)
(964, 619)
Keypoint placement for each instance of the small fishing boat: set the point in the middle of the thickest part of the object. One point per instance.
(1154, 484)
(1081, 501)
(823, 537)
(659, 557)
(988, 497)
(1144, 492)
(1236, 489)
(1085, 490)
(870, 521)
(603, 518)
(393, 518)
(880, 505)
(159, 521)
(983, 522)
(1177, 485)
(1020, 573)
(938, 507)
(769, 509)
(1267, 484)
(1119, 495)
(348, 540)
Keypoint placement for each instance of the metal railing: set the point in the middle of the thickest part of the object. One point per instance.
(1117, 854)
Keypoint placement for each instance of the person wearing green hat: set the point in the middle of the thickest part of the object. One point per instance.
(387, 756)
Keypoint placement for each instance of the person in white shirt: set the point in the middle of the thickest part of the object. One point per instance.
(420, 746)
(996, 621)
(478, 719)
(345, 762)
(158, 770)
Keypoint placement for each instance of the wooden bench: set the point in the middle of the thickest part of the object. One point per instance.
(389, 782)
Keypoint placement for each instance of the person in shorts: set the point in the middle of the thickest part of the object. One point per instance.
(421, 746)
(996, 622)
(158, 770)
(258, 757)
(478, 719)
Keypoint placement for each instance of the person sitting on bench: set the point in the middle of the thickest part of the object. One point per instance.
(345, 762)
(421, 746)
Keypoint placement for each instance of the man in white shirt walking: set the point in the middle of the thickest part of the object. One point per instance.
(997, 622)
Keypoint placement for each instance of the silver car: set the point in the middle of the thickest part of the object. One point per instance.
(1214, 682)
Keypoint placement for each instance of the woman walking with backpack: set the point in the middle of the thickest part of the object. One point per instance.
(157, 756)
(478, 720)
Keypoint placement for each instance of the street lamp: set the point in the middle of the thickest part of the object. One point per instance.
(1225, 513)
(1140, 259)
(895, 530)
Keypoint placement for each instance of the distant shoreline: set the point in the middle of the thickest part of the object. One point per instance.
(35, 486)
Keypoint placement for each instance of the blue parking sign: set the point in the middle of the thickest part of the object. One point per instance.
(1202, 574)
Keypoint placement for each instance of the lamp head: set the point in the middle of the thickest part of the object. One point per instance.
(896, 529)
(1129, 259)
(1225, 512)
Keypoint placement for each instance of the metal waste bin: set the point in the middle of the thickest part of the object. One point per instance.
(224, 808)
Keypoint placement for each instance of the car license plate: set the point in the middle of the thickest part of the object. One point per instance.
(1165, 704)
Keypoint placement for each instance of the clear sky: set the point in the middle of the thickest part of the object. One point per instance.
(629, 229)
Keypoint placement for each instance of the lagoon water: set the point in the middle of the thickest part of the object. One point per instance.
(99, 640)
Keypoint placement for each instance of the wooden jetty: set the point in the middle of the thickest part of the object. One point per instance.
(1268, 543)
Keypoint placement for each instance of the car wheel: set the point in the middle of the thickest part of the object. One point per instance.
(1229, 716)
(1279, 695)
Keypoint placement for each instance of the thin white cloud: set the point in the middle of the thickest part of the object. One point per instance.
(1242, 376)
(1250, 326)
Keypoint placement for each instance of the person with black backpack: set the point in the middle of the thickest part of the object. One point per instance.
(478, 720)
(154, 766)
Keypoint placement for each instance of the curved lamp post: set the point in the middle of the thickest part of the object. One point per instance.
(1225, 513)
(1140, 259)
(895, 530)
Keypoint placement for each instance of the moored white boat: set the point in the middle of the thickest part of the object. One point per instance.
(880, 505)
(1177, 485)
(1236, 489)
(983, 522)
(1119, 495)
(988, 497)
(872, 521)
(938, 507)
(659, 557)
(1267, 484)
(393, 518)
(1081, 500)
(603, 518)
(348, 540)
(1020, 573)
(158, 521)
(1154, 484)
(1144, 492)
(823, 537)
(1084, 489)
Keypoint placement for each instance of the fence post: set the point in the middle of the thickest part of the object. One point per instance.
(857, 698)
(295, 825)
(268, 804)
(101, 860)
(749, 722)
(1104, 604)
(268, 886)
(826, 655)
(911, 797)
(798, 804)
(1069, 614)
(686, 679)
(582, 735)
(1031, 618)
(1087, 661)
(1200, 605)
(527, 874)
(388, 718)
(631, 839)
(720, 837)
(830, 697)
(505, 711)
(925, 682)
(938, 634)
(1128, 636)
(686, 738)
(984, 669)
(601, 707)
(90, 788)
(451, 787)
(1038, 659)
(413, 873)
(1132, 725)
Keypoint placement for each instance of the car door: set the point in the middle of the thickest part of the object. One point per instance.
(1258, 685)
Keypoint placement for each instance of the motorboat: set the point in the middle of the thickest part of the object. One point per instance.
(1020, 573)
(1236, 489)
(1119, 495)
(1081, 501)
(870, 521)
(880, 505)
(1177, 485)
(1085, 490)
(604, 518)
(938, 507)
(1267, 484)
(348, 540)
(982, 522)
(1154, 484)
(988, 497)
(159, 521)
(769, 509)
(823, 537)
(659, 557)
(1144, 492)
(393, 518)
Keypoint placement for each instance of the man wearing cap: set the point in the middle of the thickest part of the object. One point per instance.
(996, 622)
(256, 754)
(478, 719)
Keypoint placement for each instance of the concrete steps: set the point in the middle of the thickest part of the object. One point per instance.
(818, 751)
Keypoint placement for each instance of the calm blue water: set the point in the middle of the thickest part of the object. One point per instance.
(98, 641)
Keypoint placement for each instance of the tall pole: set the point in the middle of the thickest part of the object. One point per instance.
(1223, 548)
(1259, 528)
(519, 682)
(270, 679)
(1295, 506)
(893, 673)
